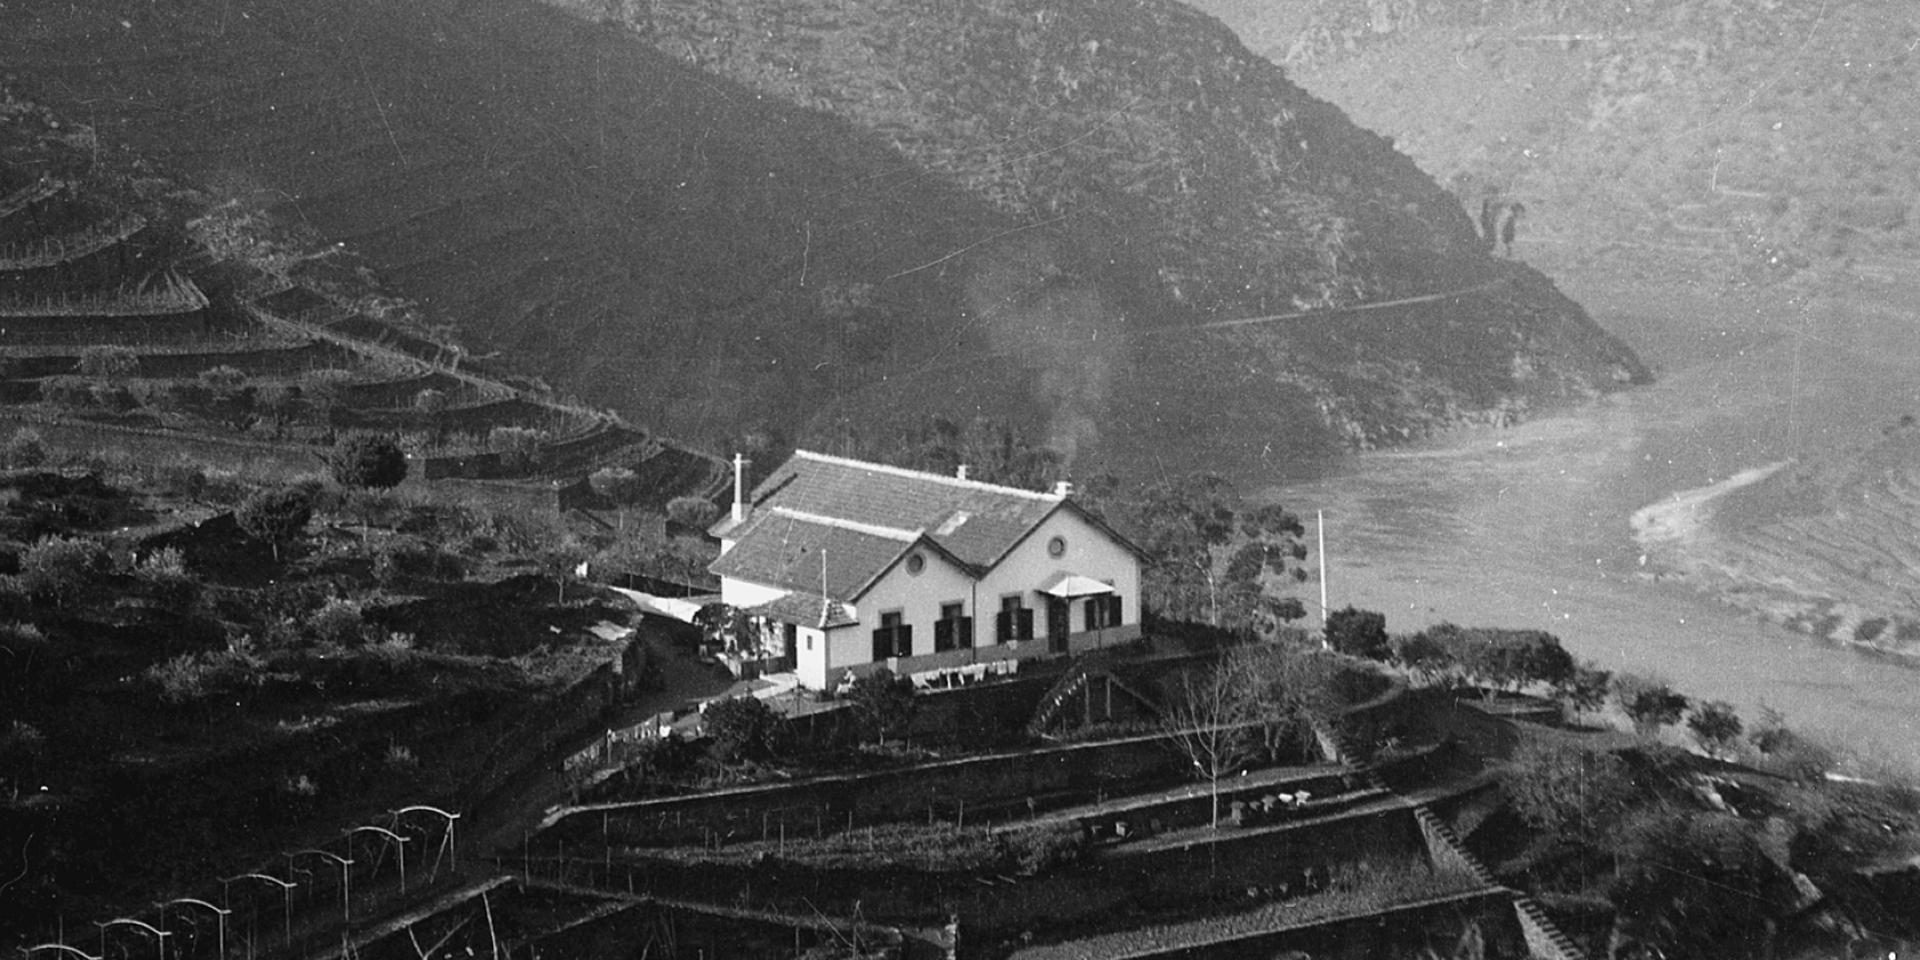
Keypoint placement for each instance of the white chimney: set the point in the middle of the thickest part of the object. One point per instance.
(961, 471)
(739, 488)
(1063, 489)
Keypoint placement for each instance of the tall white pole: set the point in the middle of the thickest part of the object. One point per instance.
(1320, 518)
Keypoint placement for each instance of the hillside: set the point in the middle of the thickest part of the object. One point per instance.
(876, 215)
(1756, 137)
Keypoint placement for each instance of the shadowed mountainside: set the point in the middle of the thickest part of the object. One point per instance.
(1001, 209)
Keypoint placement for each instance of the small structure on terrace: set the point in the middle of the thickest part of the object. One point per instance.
(845, 566)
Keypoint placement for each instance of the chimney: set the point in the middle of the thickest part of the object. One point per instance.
(739, 488)
(1063, 489)
(961, 471)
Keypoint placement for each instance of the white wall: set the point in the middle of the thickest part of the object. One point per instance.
(810, 658)
(1090, 553)
(740, 593)
(918, 597)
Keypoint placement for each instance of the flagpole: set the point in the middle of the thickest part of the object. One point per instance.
(1320, 518)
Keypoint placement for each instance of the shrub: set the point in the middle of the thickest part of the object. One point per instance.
(1041, 847)
(26, 449)
(1359, 633)
(1650, 702)
(61, 568)
(339, 622)
(1715, 726)
(276, 515)
(741, 727)
(365, 460)
(194, 676)
(67, 391)
(1569, 791)
(692, 511)
(884, 704)
(165, 573)
(108, 362)
(412, 558)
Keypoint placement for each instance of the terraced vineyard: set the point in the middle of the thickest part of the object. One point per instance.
(127, 304)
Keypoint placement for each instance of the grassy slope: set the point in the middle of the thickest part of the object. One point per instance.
(704, 248)
(1738, 130)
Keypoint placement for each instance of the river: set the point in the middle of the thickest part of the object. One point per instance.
(1530, 526)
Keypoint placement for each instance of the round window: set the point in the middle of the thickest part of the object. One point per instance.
(1057, 547)
(916, 563)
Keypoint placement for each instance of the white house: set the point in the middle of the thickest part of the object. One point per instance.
(852, 565)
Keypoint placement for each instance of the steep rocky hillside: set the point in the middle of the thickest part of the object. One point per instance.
(830, 218)
(1758, 136)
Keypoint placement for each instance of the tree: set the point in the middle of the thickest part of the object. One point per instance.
(367, 461)
(1286, 692)
(563, 558)
(1426, 653)
(61, 568)
(1715, 726)
(275, 515)
(1204, 716)
(1359, 633)
(741, 727)
(884, 703)
(1568, 791)
(1650, 702)
(1209, 557)
(1585, 690)
(696, 512)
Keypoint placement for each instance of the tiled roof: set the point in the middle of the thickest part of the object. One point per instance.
(781, 548)
(975, 522)
(806, 609)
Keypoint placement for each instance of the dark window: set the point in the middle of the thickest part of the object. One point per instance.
(954, 629)
(893, 638)
(1103, 611)
(1014, 621)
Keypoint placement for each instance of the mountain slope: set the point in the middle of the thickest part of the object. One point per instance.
(1753, 135)
(880, 212)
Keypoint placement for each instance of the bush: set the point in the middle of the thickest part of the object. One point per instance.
(59, 569)
(1650, 702)
(26, 449)
(339, 622)
(165, 573)
(1715, 726)
(194, 676)
(1568, 791)
(1359, 633)
(108, 362)
(366, 460)
(74, 392)
(741, 727)
(412, 558)
(1041, 847)
(696, 512)
(884, 703)
(276, 515)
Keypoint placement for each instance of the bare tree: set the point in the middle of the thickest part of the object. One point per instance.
(1205, 718)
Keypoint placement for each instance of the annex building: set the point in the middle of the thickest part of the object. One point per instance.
(846, 566)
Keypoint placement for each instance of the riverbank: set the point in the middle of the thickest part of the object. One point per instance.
(1534, 526)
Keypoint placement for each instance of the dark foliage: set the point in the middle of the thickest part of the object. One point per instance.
(1359, 633)
(367, 460)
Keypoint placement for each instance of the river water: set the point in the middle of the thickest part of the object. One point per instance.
(1529, 527)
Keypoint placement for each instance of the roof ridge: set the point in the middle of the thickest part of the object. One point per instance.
(923, 475)
(901, 534)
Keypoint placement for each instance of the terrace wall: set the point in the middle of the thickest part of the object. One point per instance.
(999, 784)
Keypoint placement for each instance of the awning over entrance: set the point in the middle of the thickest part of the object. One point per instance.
(1069, 585)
